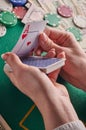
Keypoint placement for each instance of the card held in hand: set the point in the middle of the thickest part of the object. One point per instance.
(28, 40)
(45, 64)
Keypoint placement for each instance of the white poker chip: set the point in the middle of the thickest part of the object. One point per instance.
(80, 21)
(3, 30)
(5, 5)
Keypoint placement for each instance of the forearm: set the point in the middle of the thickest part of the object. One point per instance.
(82, 79)
(74, 71)
(80, 76)
(56, 116)
(55, 110)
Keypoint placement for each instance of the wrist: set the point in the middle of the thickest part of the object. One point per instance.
(56, 110)
(75, 70)
(81, 78)
(59, 113)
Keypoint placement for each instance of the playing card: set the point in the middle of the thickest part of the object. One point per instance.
(47, 5)
(33, 14)
(28, 40)
(29, 44)
(45, 64)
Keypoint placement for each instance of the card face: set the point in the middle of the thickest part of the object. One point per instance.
(33, 14)
(47, 5)
(46, 64)
(28, 40)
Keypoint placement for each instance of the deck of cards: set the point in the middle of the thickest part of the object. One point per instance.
(28, 42)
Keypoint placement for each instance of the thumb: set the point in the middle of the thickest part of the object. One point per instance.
(47, 44)
(12, 60)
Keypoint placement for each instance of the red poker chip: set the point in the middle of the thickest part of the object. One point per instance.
(65, 11)
(19, 12)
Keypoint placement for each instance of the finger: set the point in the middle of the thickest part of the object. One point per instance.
(54, 33)
(59, 37)
(61, 55)
(38, 52)
(47, 44)
(51, 53)
(54, 75)
(7, 68)
(12, 60)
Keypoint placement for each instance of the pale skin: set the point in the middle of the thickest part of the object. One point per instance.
(51, 98)
(45, 92)
(74, 70)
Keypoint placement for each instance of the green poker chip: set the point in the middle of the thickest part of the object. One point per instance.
(8, 18)
(52, 19)
(76, 32)
(44, 53)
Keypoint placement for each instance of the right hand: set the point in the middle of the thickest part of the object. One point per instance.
(74, 70)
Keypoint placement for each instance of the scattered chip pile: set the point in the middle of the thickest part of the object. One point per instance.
(10, 12)
(61, 14)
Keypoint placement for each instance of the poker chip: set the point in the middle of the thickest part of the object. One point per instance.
(80, 21)
(2, 30)
(8, 18)
(76, 32)
(52, 19)
(19, 12)
(65, 11)
(5, 5)
(84, 31)
(44, 53)
(18, 2)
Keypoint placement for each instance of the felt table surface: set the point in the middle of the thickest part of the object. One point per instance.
(17, 109)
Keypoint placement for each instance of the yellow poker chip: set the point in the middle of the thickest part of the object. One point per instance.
(52, 19)
(76, 32)
(80, 21)
(8, 18)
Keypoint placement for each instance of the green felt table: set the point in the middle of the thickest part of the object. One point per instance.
(17, 109)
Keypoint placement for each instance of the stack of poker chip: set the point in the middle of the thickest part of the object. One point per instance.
(10, 11)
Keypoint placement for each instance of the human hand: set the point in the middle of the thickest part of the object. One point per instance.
(51, 98)
(74, 70)
(28, 79)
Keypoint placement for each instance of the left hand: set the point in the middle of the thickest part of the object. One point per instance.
(27, 79)
(51, 98)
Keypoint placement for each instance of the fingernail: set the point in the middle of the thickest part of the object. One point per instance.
(4, 56)
(44, 36)
(43, 39)
(7, 68)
